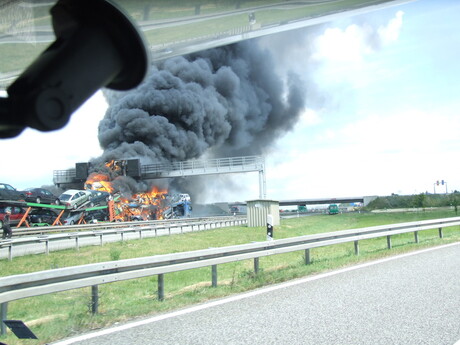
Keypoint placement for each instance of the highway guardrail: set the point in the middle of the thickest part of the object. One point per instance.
(62, 279)
(48, 234)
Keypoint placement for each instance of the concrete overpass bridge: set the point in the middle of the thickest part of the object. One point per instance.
(365, 200)
(340, 200)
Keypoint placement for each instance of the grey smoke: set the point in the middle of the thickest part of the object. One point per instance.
(222, 102)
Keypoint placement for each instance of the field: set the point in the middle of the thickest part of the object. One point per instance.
(68, 313)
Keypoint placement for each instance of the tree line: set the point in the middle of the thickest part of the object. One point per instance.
(422, 200)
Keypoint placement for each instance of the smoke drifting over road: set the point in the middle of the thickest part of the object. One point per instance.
(223, 102)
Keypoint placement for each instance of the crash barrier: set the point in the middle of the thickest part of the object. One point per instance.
(105, 229)
(62, 279)
(41, 230)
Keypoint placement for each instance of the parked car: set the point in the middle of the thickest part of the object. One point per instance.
(44, 215)
(8, 192)
(16, 214)
(97, 215)
(98, 197)
(40, 196)
(74, 198)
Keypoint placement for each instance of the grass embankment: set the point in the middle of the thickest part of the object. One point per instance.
(62, 314)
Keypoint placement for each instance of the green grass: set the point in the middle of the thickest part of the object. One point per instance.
(68, 313)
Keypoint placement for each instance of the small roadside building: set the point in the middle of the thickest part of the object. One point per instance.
(258, 210)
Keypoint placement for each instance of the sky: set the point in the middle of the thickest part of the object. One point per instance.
(382, 115)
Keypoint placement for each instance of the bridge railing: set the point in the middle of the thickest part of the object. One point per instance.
(215, 164)
(151, 170)
(64, 176)
(51, 281)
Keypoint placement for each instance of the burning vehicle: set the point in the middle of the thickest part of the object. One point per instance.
(153, 203)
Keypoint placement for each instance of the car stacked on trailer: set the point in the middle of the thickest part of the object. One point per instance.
(98, 197)
(8, 192)
(17, 213)
(74, 198)
(40, 196)
(42, 216)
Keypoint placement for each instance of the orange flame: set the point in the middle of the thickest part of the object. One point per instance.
(115, 166)
(97, 181)
(148, 205)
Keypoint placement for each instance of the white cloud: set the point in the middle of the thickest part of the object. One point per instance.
(341, 45)
(390, 33)
(353, 43)
(403, 153)
(409, 131)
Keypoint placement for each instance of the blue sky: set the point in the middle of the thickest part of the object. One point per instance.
(387, 122)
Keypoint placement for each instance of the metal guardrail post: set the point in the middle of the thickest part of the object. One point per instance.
(256, 265)
(356, 248)
(214, 275)
(4, 312)
(389, 242)
(94, 299)
(440, 233)
(161, 287)
(47, 247)
(307, 257)
(416, 236)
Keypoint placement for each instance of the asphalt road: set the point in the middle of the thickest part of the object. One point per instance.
(407, 299)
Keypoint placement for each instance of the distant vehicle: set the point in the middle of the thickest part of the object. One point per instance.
(42, 216)
(97, 215)
(333, 209)
(40, 196)
(238, 209)
(98, 197)
(8, 192)
(74, 198)
(17, 213)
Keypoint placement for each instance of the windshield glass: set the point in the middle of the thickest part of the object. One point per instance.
(65, 197)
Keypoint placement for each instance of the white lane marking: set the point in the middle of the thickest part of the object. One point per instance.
(246, 295)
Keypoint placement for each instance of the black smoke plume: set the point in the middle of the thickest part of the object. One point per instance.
(221, 102)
